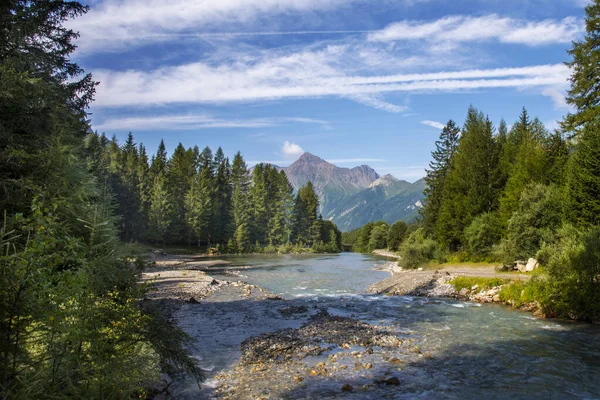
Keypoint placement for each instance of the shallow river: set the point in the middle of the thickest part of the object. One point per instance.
(465, 350)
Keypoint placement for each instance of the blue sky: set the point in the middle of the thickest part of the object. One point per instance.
(352, 81)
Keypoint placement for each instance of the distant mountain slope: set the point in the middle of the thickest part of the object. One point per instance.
(332, 183)
(399, 200)
(351, 197)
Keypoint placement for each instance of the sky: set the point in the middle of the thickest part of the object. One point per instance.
(351, 81)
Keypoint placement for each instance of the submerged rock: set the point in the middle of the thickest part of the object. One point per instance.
(392, 381)
(346, 387)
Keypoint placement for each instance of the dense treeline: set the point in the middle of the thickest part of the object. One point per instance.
(376, 235)
(502, 194)
(70, 324)
(525, 192)
(197, 198)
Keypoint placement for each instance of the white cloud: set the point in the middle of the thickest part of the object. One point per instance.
(115, 24)
(376, 101)
(191, 122)
(459, 28)
(302, 75)
(433, 124)
(291, 150)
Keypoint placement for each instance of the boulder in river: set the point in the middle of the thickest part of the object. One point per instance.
(346, 387)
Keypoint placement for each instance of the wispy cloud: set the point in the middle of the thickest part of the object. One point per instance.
(291, 150)
(355, 160)
(191, 122)
(491, 27)
(135, 21)
(303, 75)
(433, 124)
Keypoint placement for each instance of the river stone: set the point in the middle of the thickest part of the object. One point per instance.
(346, 387)
(392, 381)
(532, 264)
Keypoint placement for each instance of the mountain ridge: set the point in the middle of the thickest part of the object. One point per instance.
(351, 197)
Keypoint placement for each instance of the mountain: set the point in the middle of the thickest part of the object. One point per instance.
(351, 197)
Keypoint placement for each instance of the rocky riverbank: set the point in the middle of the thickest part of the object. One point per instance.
(436, 283)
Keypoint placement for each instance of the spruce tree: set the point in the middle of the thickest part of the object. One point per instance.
(471, 185)
(240, 179)
(437, 173)
(584, 94)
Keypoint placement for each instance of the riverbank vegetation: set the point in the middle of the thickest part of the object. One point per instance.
(71, 324)
(499, 194)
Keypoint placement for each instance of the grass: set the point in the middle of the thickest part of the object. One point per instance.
(468, 282)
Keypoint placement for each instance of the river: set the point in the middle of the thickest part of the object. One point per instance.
(450, 349)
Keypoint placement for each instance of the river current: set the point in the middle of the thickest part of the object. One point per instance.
(466, 350)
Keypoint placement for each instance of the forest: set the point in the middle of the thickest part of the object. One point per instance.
(501, 195)
(73, 201)
(195, 198)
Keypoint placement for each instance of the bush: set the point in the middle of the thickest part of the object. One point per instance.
(482, 234)
(417, 249)
(538, 217)
(396, 235)
(572, 288)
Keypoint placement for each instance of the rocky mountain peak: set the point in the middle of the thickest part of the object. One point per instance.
(386, 180)
(308, 158)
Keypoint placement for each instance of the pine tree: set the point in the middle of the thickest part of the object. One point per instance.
(436, 175)
(222, 198)
(527, 165)
(471, 185)
(258, 202)
(181, 169)
(583, 177)
(240, 179)
(305, 217)
(584, 94)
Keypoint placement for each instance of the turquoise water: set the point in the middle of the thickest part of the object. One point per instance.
(476, 351)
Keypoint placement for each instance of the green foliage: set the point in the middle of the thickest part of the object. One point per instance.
(437, 174)
(378, 237)
(473, 182)
(536, 220)
(467, 282)
(583, 178)
(417, 249)
(482, 234)
(519, 293)
(396, 235)
(572, 288)
(585, 70)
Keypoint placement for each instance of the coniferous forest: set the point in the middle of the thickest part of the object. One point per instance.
(200, 199)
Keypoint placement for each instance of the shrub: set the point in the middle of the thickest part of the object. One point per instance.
(417, 249)
(572, 288)
(538, 217)
(396, 235)
(482, 234)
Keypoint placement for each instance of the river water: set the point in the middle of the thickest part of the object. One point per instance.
(462, 350)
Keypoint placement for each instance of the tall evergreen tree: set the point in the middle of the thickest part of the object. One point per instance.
(471, 185)
(584, 94)
(240, 179)
(437, 173)
(222, 210)
(306, 209)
